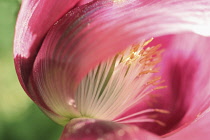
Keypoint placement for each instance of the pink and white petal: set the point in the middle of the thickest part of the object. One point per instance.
(199, 129)
(90, 129)
(34, 20)
(91, 33)
(53, 77)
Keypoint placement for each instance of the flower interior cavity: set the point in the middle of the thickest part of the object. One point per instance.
(116, 85)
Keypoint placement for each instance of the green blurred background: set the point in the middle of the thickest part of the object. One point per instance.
(20, 118)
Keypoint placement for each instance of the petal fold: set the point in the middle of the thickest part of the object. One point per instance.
(185, 67)
(199, 129)
(90, 129)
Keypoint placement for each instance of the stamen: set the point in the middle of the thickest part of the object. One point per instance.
(154, 80)
(138, 121)
(160, 87)
(117, 84)
(143, 112)
(148, 71)
(162, 111)
(145, 120)
(160, 122)
(147, 42)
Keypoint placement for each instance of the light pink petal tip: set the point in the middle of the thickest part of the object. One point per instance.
(90, 129)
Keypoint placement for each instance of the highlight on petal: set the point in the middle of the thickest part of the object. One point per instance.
(90, 129)
(92, 33)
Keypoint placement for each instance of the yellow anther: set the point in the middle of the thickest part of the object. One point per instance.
(160, 87)
(132, 56)
(135, 48)
(158, 83)
(160, 122)
(147, 42)
(148, 71)
(162, 111)
(141, 52)
(154, 80)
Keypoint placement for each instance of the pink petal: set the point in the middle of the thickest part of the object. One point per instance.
(34, 20)
(197, 130)
(90, 34)
(185, 68)
(189, 53)
(90, 129)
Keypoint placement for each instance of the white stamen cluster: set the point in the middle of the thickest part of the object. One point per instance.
(117, 84)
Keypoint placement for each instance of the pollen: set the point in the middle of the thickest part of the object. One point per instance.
(118, 84)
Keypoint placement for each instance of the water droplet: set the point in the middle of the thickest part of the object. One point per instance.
(72, 103)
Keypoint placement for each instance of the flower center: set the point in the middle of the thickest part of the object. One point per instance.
(119, 83)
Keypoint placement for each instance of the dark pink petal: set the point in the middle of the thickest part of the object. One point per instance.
(185, 68)
(197, 130)
(90, 129)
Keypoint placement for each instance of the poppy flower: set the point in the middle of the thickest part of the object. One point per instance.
(136, 69)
